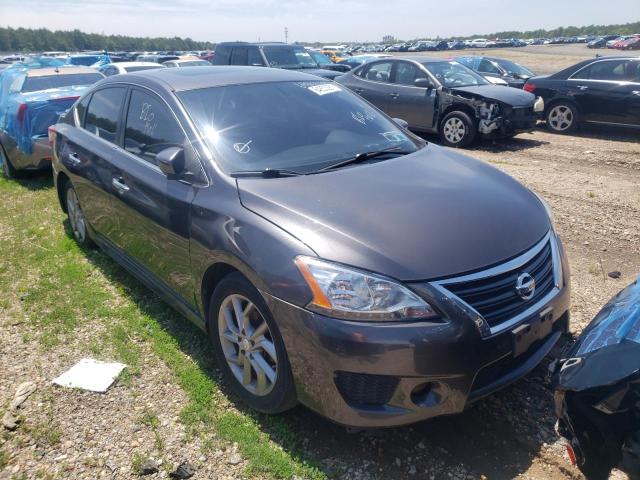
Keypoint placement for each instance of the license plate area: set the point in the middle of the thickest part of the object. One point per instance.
(531, 331)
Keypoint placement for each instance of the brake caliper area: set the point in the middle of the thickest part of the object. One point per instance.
(490, 118)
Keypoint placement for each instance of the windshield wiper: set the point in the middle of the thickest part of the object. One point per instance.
(267, 173)
(362, 157)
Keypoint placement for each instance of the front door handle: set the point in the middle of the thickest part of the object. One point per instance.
(636, 92)
(582, 87)
(74, 159)
(394, 95)
(358, 90)
(119, 185)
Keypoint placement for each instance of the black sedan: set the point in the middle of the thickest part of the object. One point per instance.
(603, 90)
(332, 257)
(445, 97)
(513, 74)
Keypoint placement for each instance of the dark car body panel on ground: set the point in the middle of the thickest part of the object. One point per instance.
(424, 108)
(597, 383)
(604, 90)
(180, 236)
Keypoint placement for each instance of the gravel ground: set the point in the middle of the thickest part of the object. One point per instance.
(590, 180)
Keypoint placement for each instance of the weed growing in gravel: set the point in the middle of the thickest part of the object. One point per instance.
(45, 434)
(150, 419)
(591, 194)
(136, 462)
(4, 459)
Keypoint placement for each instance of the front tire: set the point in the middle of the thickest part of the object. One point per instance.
(249, 347)
(457, 130)
(562, 117)
(77, 219)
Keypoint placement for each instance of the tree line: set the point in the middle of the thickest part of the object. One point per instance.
(28, 40)
(618, 29)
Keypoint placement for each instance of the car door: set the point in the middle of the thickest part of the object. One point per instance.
(413, 104)
(373, 82)
(88, 154)
(153, 211)
(601, 91)
(633, 91)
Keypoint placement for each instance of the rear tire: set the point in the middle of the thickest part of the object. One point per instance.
(457, 130)
(249, 347)
(77, 219)
(562, 117)
(8, 170)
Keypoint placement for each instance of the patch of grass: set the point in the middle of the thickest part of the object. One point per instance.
(595, 270)
(150, 419)
(46, 434)
(136, 462)
(62, 288)
(4, 459)
(44, 474)
(591, 194)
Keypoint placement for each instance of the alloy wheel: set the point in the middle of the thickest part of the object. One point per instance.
(247, 344)
(454, 130)
(561, 118)
(76, 217)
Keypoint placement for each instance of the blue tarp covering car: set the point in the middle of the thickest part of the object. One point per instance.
(32, 97)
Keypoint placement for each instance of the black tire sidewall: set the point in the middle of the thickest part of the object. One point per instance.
(8, 170)
(469, 124)
(87, 242)
(282, 397)
(574, 111)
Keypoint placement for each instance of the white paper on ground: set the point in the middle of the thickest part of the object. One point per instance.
(90, 374)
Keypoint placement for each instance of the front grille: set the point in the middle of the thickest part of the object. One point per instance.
(361, 389)
(495, 297)
(522, 113)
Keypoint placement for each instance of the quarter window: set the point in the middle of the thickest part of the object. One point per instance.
(151, 127)
(255, 59)
(378, 72)
(103, 113)
(407, 73)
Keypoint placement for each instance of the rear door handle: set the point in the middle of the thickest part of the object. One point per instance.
(119, 185)
(74, 159)
(358, 90)
(582, 87)
(394, 95)
(636, 92)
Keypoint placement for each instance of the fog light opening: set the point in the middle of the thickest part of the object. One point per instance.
(420, 395)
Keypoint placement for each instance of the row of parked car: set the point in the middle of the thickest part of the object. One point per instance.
(264, 205)
(619, 42)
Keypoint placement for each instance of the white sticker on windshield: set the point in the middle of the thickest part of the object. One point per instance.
(393, 137)
(362, 117)
(325, 88)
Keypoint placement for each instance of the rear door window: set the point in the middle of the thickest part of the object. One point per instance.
(254, 58)
(239, 56)
(103, 114)
(378, 72)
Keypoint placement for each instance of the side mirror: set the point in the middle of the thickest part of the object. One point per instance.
(401, 123)
(171, 161)
(423, 83)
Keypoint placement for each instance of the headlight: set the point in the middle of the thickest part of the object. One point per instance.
(547, 208)
(350, 294)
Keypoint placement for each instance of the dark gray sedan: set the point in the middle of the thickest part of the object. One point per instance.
(332, 257)
(443, 96)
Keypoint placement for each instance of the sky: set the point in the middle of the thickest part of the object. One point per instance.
(309, 20)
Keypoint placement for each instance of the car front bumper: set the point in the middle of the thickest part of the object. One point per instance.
(383, 375)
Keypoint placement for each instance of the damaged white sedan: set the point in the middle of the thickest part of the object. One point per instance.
(442, 96)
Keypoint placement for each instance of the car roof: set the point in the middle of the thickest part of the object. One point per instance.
(43, 72)
(421, 58)
(193, 78)
(132, 64)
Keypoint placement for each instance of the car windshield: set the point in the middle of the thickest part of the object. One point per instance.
(299, 126)
(289, 57)
(35, 84)
(514, 69)
(452, 74)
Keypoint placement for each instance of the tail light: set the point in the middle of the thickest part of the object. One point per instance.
(572, 454)
(52, 135)
(529, 87)
(22, 112)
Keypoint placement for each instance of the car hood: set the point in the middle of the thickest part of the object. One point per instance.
(510, 96)
(426, 215)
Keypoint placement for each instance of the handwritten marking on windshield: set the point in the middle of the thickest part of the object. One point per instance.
(242, 147)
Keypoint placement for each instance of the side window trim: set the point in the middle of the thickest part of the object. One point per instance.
(80, 121)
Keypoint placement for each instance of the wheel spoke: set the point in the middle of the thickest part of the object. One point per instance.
(239, 312)
(268, 347)
(261, 382)
(261, 330)
(231, 324)
(246, 373)
(259, 362)
(232, 337)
